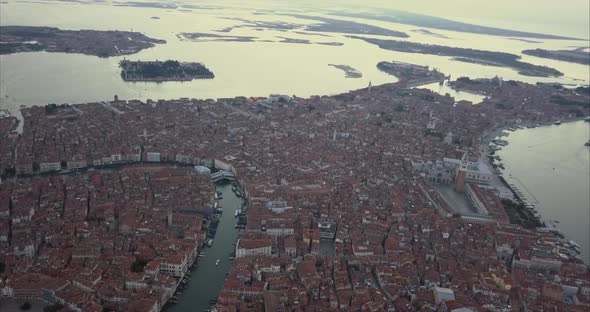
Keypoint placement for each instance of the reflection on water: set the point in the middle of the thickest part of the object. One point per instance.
(553, 164)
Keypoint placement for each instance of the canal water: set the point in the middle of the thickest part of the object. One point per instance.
(551, 167)
(444, 89)
(207, 277)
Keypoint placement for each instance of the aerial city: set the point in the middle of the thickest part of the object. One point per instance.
(305, 155)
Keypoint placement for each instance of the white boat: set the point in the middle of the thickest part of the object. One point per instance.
(217, 262)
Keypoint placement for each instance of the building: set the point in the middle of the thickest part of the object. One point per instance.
(175, 266)
(448, 138)
(221, 165)
(443, 294)
(153, 157)
(290, 246)
(279, 228)
(476, 198)
(473, 172)
(247, 247)
(202, 170)
(460, 181)
(436, 172)
(278, 98)
(277, 206)
(49, 166)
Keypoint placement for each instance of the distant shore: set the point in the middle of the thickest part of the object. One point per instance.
(15, 39)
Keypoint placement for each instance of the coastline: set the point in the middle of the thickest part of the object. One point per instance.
(487, 137)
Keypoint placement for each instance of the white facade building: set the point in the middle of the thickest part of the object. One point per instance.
(253, 247)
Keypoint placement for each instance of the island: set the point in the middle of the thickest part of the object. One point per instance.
(491, 58)
(347, 27)
(579, 55)
(411, 73)
(430, 33)
(205, 37)
(329, 43)
(293, 40)
(15, 39)
(421, 20)
(158, 71)
(349, 71)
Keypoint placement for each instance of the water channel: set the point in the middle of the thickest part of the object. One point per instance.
(208, 277)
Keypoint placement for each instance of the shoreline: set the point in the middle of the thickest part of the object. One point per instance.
(485, 140)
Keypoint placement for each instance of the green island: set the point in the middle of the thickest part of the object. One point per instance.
(491, 58)
(159, 71)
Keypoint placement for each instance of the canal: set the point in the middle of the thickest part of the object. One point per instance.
(207, 277)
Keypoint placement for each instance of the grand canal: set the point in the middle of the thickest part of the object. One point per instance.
(207, 277)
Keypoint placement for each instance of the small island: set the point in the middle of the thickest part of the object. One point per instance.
(349, 71)
(15, 39)
(205, 37)
(158, 71)
(488, 58)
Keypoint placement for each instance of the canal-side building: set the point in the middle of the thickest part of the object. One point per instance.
(247, 247)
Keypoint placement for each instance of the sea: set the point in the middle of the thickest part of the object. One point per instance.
(550, 162)
(550, 165)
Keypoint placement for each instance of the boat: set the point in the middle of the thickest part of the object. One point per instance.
(231, 258)
(217, 262)
(210, 242)
(557, 123)
(236, 213)
(574, 243)
(587, 119)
